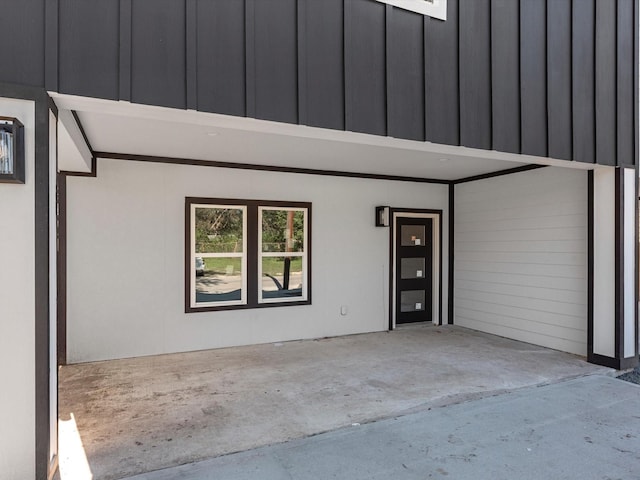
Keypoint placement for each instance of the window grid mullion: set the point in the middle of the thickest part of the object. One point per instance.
(219, 255)
(282, 254)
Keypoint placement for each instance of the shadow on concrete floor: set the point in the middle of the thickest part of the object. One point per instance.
(144, 414)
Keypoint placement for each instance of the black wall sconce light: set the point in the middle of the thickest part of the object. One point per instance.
(11, 150)
(382, 216)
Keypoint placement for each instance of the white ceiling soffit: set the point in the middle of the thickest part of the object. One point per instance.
(73, 153)
(126, 128)
(431, 8)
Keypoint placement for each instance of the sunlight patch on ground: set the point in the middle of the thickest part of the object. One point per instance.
(73, 463)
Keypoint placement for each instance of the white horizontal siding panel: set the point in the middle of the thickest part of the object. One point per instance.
(503, 213)
(526, 196)
(564, 333)
(522, 301)
(564, 271)
(560, 188)
(522, 223)
(526, 316)
(539, 293)
(524, 257)
(578, 347)
(533, 246)
(521, 257)
(528, 281)
(528, 234)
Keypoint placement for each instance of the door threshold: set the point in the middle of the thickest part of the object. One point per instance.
(415, 325)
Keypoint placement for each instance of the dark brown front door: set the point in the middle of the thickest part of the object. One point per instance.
(414, 267)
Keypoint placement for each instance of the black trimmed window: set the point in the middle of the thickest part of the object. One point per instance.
(246, 254)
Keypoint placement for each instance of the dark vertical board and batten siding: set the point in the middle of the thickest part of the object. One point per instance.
(158, 53)
(321, 63)
(544, 77)
(505, 75)
(220, 53)
(89, 48)
(636, 97)
(475, 74)
(442, 92)
(22, 27)
(124, 75)
(533, 77)
(250, 58)
(605, 86)
(301, 24)
(275, 59)
(365, 67)
(559, 79)
(583, 66)
(51, 45)
(191, 61)
(405, 74)
(625, 82)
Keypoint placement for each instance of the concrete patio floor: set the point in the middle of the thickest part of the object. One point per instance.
(144, 414)
(586, 428)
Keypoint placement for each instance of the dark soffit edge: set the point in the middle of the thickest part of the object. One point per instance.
(499, 173)
(82, 131)
(267, 168)
(307, 171)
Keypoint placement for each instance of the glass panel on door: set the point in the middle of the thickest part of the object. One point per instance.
(412, 235)
(412, 268)
(412, 301)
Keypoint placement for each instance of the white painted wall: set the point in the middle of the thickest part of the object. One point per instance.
(126, 258)
(604, 258)
(520, 257)
(17, 310)
(629, 229)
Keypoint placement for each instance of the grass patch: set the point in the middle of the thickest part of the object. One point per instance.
(270, 265)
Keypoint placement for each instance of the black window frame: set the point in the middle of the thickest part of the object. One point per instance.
(252, 252)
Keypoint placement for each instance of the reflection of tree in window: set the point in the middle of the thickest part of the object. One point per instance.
(218, 230)
(283, 231)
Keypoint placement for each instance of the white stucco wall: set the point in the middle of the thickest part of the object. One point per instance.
(17, 310)
(126, 258)
(521, 257)
(604, 262)
(629, 273)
